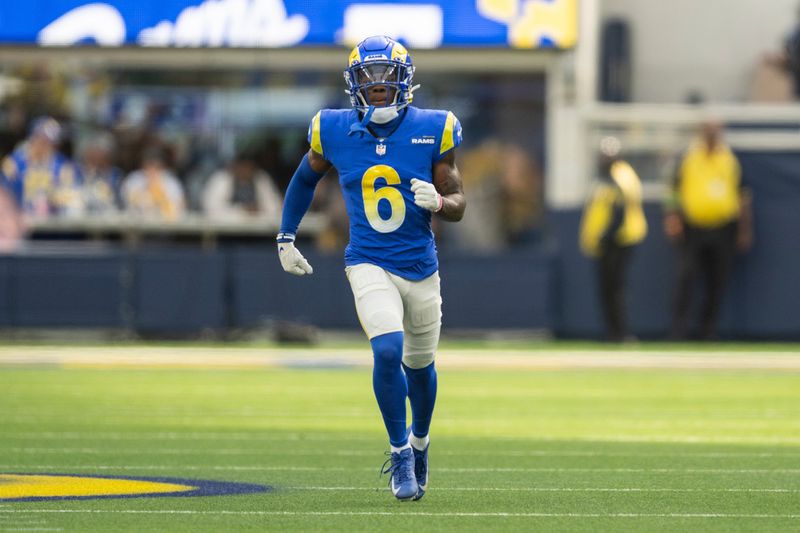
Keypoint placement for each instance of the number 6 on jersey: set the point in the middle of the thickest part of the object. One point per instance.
(373, 196)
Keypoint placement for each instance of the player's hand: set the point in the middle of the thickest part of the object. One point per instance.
(426, 196)
(292, 260)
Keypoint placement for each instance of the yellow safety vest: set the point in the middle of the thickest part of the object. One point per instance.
(597, 214)
(708, 188)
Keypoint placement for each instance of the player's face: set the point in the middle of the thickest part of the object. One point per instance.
(40, 146)
(378, 95)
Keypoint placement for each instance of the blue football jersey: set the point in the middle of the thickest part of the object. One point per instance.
(56, 182)
(386, 228)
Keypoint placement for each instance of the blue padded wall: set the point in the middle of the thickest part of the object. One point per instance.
(177, 291)
(67, 290)
(508, 291)
(260, 290)
(6, 282)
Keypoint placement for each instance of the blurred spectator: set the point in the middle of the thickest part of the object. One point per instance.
(12, 127)
(101, 179)
(769, 86)
(791, 50)
(43, 181)
(613, 224)
(240, 191)
(206, 160)
(45, 89)
(12, 228)
(503, 184)
(481, 228)
(328, 199)
(708, 215)
(153, 191)
(521, 198)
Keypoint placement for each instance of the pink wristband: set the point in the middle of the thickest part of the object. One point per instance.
(441, 203)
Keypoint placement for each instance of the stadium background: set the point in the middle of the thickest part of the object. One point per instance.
(549, 105)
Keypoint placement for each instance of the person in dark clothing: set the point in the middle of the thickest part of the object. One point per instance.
(787, 60)
(613, 223)
(791, 56)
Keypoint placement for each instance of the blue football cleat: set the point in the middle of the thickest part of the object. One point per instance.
(402, 481)
(420, 468)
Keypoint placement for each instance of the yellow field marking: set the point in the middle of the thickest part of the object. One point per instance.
(57, 486)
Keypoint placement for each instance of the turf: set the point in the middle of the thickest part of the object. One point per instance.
(565, 450)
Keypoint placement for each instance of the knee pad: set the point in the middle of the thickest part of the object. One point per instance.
(417, 361)
(419, 349)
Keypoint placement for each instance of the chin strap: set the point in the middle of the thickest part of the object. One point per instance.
(361, 127)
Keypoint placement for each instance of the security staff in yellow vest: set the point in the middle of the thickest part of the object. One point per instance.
(707, 216)
(613, 223)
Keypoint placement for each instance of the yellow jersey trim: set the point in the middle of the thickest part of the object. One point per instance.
(447, 135)
(316, 140)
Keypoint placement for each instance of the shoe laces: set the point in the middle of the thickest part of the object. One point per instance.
(396, 466)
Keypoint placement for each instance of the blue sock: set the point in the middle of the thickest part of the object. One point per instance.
(389, 384)
(422, 393)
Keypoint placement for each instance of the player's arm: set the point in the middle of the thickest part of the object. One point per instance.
(446, 194)
(318, 163)
(447, 181)
(295, 205)
(301, 188)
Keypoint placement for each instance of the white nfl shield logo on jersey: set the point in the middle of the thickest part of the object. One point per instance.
(380, 149)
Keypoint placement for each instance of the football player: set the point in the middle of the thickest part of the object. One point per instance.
(397, 167)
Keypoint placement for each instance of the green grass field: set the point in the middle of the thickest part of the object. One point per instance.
(577, 448)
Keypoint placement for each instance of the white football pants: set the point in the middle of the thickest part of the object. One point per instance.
(387, 303)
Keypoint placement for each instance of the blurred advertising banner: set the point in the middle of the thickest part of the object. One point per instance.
(526, 24)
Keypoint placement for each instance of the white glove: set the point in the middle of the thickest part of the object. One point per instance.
(292, 260)
(425, 195)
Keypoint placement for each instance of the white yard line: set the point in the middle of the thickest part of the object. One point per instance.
(364, 453)
(292, 437)
(221, 357)
(403, 514)
(555, 489)
(311, 437)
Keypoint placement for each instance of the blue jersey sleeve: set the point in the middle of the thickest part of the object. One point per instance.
(451, 135)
